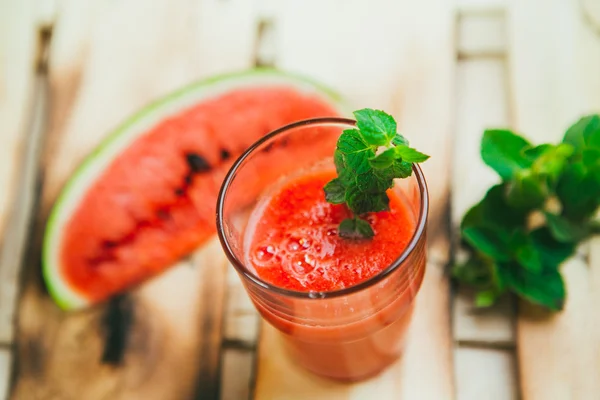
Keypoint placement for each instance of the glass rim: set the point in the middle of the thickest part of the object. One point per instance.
(313, 295)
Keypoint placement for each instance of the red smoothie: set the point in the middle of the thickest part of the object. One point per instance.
(292, 242)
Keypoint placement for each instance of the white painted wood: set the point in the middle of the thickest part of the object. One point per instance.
(559, 355)
(481, 35)
(554, 64)
(591, 11)
(241, 318)
(18, 48)
(555, 59)
(493, 326)
(237, 372)
(485, 374)
(481, 5)
(481, 104)
(5, 367)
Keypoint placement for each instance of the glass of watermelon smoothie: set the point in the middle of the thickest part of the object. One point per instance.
(342, 305)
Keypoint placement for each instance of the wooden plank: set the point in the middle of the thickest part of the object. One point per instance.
(553, 86)
(591, 14)
(481, 35)
(240, 334)
(5, 367)
(236, 379)
(485, 374)
(559, 356)
(481, 5)
(162, 341)
(241, 318)
(18, 45)
(411, 78)
(482, 102)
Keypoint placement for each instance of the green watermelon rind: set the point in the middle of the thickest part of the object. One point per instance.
(64, 295)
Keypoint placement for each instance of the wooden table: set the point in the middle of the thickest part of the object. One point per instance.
(70, 70)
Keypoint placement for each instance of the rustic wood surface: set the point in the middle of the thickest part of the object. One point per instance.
(551, 85)
(446, 68)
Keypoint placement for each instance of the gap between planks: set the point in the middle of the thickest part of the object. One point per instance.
(484, 353)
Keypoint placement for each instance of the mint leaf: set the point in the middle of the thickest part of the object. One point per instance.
(523, 229)
(585, 132)
(399, 140)
(351, 141)
(355, 228)
(485, 298)
(399, 169)
(545, 288)
(487, 241)
(591, 158)
(503, 151)
(335, 192)
(410, 155)
(384, 159)
(564, 230)
(355, 151)
(578, 191)
(345, 174)
(529, 258)
(363, 175)
(476, 271)
(373, 182)
(552, 252)
(494, 212)
(361, 202)
(525, 252)
(377, 127)
(552, 161)
(533, 153)
(525, 191)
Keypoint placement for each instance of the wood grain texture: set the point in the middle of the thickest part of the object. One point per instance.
(237, 374)
(242, 321)
(5, 369)
(18, 46)
(481, 34)
(481, 5)
(555, 59)
(482, 103)
(163, 340)
(419, 94)
(559, 355)
(18, 40)
(485, 374)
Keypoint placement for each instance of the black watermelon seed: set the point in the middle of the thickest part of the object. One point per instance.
(225, 154)
(197, 163)
(269, 147)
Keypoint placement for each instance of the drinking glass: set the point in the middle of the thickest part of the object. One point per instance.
(348, 334)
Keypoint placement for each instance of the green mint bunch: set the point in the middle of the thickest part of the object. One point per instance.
(367, 161)
(519, 234)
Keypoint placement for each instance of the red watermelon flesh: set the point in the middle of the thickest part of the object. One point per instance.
(155, 202)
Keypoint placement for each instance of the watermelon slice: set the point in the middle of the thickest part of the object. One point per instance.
(147, 196)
